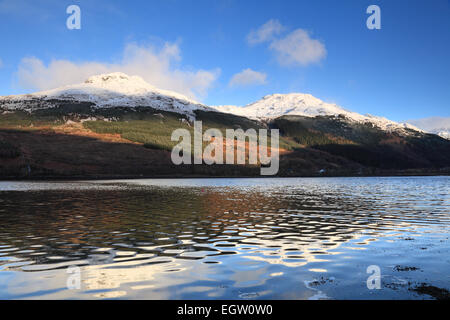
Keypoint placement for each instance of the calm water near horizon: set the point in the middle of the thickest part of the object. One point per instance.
(264, 238)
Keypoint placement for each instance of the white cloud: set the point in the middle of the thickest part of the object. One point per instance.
(248, 77)
(266, 32)
(156, 66)
(298, 48)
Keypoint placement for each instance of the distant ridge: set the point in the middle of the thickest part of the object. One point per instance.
(300, 104)
(436, 125)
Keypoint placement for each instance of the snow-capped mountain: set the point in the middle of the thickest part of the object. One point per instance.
(121, 90)
(277, 105)
(107, 90)
(436, 125)
(444, 134)
(118, 122)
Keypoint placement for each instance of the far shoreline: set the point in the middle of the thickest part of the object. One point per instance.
(161, 177)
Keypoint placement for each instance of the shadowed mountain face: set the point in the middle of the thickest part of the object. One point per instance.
(366, 144)
(76, 139)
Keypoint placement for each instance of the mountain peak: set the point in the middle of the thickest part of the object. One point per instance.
(306, 105)
(291, 98)
(286, 95)
(277, 105)
(120, 82)
(109, 77)
(117, 78)
(115, 89)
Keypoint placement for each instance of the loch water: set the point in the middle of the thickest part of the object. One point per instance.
(262, 238)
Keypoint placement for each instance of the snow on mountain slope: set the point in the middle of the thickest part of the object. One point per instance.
(443, 134)
(120, 90)
(436, 125)
(108, 90)
(277, 105)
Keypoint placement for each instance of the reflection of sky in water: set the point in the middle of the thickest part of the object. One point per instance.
(223, 238)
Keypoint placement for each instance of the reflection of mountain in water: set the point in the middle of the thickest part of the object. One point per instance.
(286, 225)
(199, 237)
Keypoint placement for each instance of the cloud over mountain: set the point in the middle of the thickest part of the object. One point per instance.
(156, 66)
(248, 77)
(297, 48)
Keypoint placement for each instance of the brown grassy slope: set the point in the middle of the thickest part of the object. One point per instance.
(72, 151)
(50, 153)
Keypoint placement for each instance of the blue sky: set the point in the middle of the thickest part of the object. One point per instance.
(216, 50)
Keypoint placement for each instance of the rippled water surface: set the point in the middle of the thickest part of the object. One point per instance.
(275, 238)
